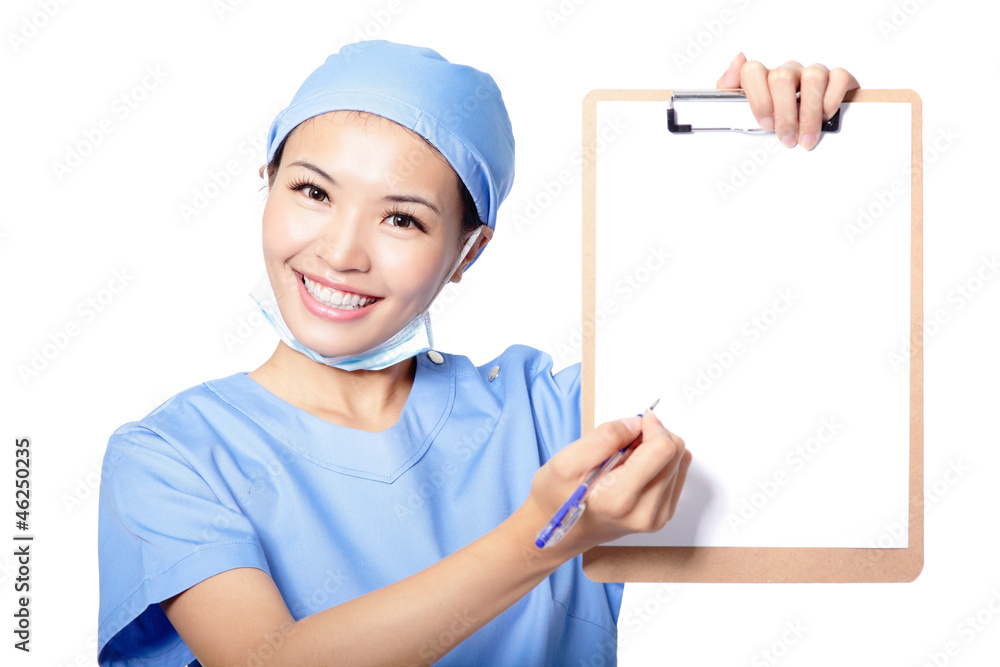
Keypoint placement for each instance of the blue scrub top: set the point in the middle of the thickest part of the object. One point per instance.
(226, 475)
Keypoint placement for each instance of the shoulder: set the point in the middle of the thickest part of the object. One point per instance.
(191, 408)
(522, 380)
(175, 435)
(522, 361)
(167, 474)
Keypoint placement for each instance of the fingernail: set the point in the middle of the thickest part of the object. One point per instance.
(733, 61)
(788, 140)
(633, 424)
(808, 141)
(767, 124)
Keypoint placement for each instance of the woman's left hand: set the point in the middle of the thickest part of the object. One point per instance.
(771, 94)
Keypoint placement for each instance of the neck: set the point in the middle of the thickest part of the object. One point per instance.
(365, 400)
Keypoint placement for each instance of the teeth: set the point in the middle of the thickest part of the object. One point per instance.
(336, 298)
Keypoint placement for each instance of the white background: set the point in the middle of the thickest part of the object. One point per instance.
(222, 76)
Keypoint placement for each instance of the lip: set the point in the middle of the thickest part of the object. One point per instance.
(326, 312)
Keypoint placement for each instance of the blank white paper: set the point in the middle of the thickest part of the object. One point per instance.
(763, 294)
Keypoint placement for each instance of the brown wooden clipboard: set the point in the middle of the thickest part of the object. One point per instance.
(757, 564)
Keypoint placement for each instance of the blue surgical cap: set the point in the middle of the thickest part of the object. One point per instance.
(458, 109)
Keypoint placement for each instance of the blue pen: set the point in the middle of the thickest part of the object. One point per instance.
(570, 512)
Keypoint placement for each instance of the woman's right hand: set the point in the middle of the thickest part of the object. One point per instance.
(639, 495)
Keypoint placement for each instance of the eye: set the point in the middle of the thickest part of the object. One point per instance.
(402, 220)
(309, 190)
(313, 192)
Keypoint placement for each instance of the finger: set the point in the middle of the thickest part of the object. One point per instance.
(648, 509)
(657, 450)
(675, 465)
(587, 453)
(839, 83)
(783, 82)
(753, 80)
(665, 508)
(638, 471)
(731, 77)
(812, 89)
(672, 495)
(654, 505)
(675, 492)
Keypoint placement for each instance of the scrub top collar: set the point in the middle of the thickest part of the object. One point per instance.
(382, 456)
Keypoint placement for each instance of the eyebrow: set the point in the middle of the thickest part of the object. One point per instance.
(409, 198)
(415, 199)
(312, 167)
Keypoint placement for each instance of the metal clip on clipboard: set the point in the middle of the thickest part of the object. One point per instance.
(721, 111)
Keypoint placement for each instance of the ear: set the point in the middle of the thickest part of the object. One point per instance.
(485, 235)
(261, 170)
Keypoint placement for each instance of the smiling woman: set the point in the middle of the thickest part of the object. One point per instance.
(339, 216)
(360, 498)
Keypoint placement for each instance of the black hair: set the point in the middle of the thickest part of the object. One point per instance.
(470, 221)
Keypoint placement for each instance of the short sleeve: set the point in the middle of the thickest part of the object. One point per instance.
(555, 401)
(162, 527)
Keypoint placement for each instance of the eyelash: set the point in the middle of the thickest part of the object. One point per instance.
(304, 184)
(389, 212)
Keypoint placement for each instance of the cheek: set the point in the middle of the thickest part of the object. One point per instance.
(283, 232)
(415, 273)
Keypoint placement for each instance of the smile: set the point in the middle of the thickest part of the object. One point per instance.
(336, 298)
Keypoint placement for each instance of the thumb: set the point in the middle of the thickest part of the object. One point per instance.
(731, 78)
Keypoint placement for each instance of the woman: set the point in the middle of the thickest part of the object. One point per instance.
(360, 498)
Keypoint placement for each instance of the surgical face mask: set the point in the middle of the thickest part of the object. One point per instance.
(409, 341)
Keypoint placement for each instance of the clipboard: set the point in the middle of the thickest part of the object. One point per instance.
(772, 298)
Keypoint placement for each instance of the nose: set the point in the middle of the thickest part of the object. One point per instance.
(343, 242)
